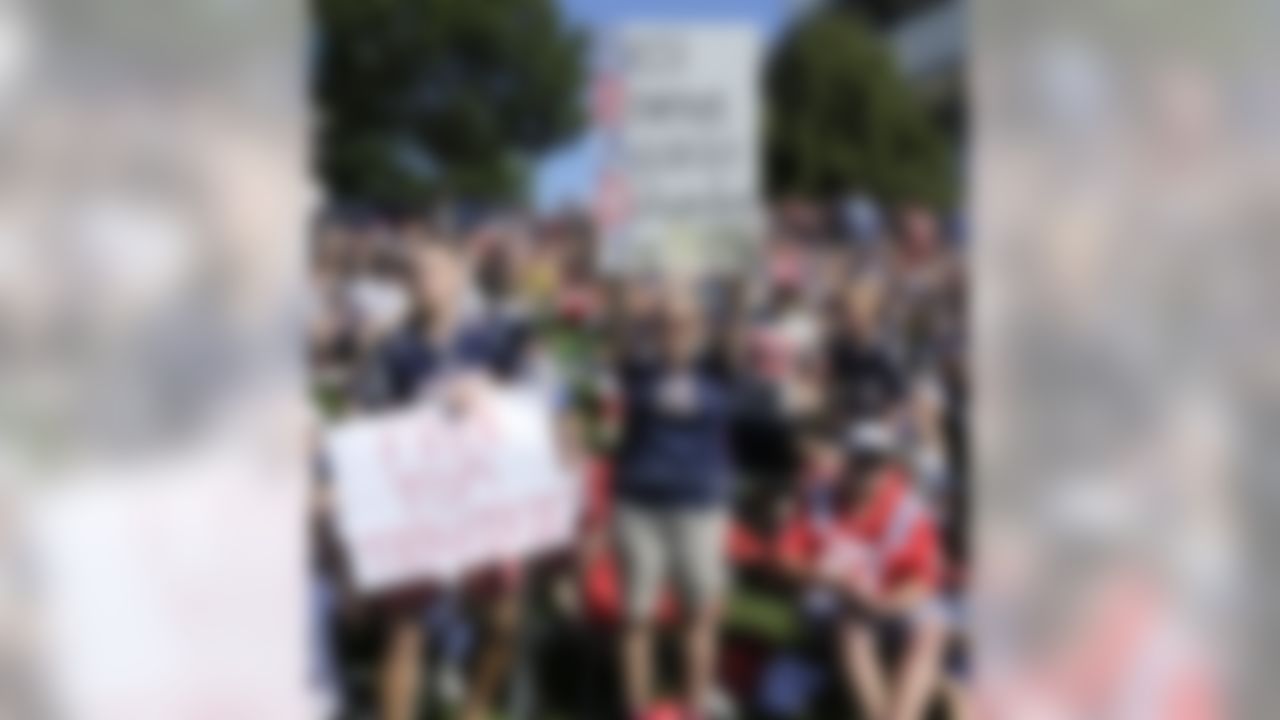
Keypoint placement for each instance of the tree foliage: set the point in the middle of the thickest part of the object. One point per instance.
(842, 118)
(884, 13)
(423, 100)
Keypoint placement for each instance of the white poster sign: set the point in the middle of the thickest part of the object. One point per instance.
(424, 495)
(679, 107)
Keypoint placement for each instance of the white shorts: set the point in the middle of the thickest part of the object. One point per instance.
(686, 546)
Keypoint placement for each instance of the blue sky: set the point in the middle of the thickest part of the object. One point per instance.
(568, 175)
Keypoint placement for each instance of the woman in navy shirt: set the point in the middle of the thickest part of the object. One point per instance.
(673, 476)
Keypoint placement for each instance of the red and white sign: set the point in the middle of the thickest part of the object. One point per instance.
(426, 495)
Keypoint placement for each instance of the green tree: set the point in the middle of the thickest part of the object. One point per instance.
(884, 13)
(424, 100)
(841, 117)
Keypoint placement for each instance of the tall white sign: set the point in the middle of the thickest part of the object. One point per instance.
(679, 108)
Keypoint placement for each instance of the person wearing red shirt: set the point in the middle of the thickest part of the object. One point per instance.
(879, 556)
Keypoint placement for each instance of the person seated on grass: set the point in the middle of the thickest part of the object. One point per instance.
(876, 558)
(797, 672)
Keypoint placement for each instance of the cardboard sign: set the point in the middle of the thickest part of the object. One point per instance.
(427, 495)
(679, 108)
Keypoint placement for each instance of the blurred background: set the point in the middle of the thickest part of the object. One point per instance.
(907, 358)
(797, 168)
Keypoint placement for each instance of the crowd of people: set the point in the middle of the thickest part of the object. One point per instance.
(774, 467)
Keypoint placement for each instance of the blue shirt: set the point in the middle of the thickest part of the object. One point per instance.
(674, 455)
(408, 361)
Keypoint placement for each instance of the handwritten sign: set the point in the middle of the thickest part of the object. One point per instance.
(426, 495)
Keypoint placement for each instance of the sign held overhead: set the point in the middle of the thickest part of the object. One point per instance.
(679, 108)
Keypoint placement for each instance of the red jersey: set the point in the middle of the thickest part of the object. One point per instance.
(892, 536)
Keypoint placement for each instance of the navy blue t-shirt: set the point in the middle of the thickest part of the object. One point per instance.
(674, 450)
(407, 361)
